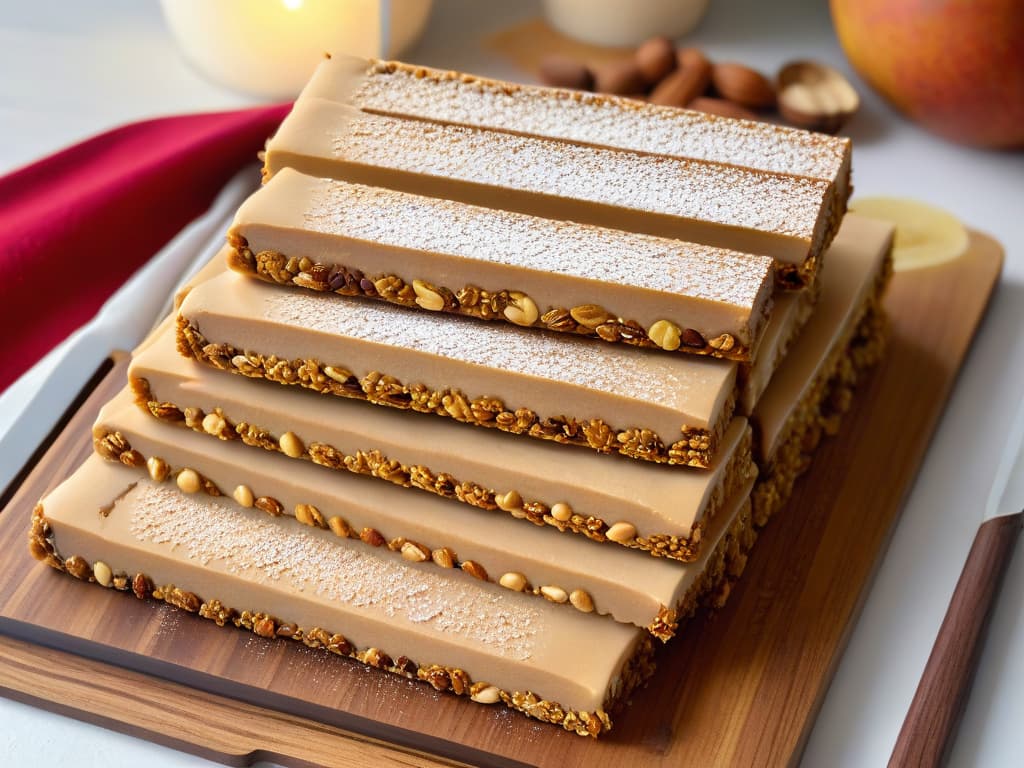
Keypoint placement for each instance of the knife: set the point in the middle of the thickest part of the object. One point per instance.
(934, 713)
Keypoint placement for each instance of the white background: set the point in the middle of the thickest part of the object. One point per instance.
(70, 69)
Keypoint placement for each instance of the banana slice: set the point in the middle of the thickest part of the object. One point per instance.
(925, 235)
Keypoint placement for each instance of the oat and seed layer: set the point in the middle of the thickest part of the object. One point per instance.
(393, 88)
(635, 504)
(423, 528)
(108, 525)
(670, 409)
(328, 235)
(785, 217)
(814, 385)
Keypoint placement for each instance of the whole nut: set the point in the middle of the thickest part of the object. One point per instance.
(509, 502)
(443, 557)
(561, 511)
(690, 80)
(554, 594)
(291, 445)
(513, 580)
(722, 343)
(655, 58)
(372, 537)
(692, 338)
(489, 695)
(564, 72)
(244, 496)
(521, 309)
(581, 600)
(307, 514)
(665, 334)
(722, 108)
(815, 96)
(590, 315)
(621, 532)
(619, 77)
(188, 481)
(214, 424)
(742, 85)
(427, 297)
(158, 469)
(414, 553)
(474, 569)
(339, 526)
(270, 505)
(102, 573)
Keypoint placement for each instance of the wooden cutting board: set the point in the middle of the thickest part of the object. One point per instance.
(740, 687)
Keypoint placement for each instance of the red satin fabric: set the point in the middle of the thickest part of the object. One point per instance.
(74, 226)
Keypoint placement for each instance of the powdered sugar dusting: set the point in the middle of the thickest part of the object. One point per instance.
(597, 119)
(402, 220)
(615, 369)
(719, 194)
(265, 550)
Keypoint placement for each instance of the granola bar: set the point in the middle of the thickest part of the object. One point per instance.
(615, 399)
(109, 525)
(333, 236)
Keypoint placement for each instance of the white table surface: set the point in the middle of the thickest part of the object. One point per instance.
(69, 69)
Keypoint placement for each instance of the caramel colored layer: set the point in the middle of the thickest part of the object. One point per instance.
(785, 217)
(666, 511)
(656, 407)
(855, 277)
(490, 264)
(294, 577)
(424, 528)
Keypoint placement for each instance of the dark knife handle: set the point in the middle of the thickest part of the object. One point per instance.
(941, 695)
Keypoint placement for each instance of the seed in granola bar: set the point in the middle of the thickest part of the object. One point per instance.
(561, 512)
(443, 557)
(621, 532)
(158, 469)
(665, 334)
(521, 309)
(339, 526)
(415, 553)
(243, 495)
(270, 505)
(554, 594)
(474, 569)
(590, 315)
(102, 573)
(427, 297)
(509, 502)
(513, 580)
(188, 481)
(692, 338)
(291, 445)
(581, 600)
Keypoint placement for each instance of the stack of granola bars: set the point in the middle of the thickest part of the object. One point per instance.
(483, 371)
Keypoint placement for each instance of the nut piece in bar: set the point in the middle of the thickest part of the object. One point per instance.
(277, 578)
(726, 206)
(403, 90)
(813, 386)
(539, 483)
(462, 258)
(669, 409)
(569, 570)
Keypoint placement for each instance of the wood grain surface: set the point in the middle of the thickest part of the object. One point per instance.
(740, 687)
(927, 733)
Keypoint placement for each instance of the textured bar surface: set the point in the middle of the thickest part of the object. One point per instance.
(656, 407)
(458, 256)
(667, 509)
(785, 217)
(394, 88)
(155, 540)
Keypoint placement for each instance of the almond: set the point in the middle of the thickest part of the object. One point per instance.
(564, 72)
(721, 107)
(619, 77)
(655, 58)
(684, 85)
(742, 85)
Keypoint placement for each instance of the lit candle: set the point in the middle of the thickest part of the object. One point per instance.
(271, 47)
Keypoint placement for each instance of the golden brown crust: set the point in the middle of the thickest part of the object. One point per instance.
(695, 449)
